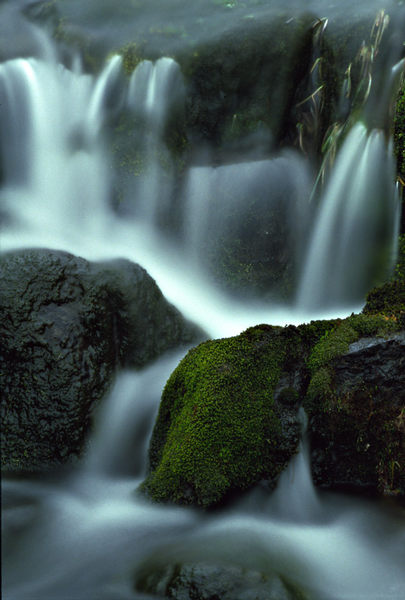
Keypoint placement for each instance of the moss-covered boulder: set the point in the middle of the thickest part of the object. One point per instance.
(224, 423)
(356, 397)
(65, 326)
(228, 413)
(356, 405)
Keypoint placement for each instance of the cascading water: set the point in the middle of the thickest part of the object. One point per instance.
(219, 203)
(357, 223)
(86, 534)
(151, 88)
(51, 120)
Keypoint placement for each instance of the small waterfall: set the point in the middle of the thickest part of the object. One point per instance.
(54, 164)
(295, 497)
(120, 440)
(154, 89)
(352, 242)
(252, 209)
(82, 536)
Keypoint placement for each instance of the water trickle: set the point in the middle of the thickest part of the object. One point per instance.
(119, 443)
(295, 496)
(154, 89)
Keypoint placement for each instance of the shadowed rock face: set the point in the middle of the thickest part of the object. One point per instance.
(202, 581)
(66, 325)
(357, 430)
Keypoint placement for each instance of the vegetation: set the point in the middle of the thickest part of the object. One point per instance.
(399, 134)
(132, 55)
(356, 416)
(218, 427)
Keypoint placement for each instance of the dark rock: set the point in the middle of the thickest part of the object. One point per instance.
(202, 581)
(66, 325)
(357, 423)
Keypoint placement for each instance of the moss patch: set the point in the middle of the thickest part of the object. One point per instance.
(226, 419)
(218, 427)
(389, 299)
(355, 410)
(399, 133)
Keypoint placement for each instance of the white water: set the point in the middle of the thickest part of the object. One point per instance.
(357, 223)
(57, 190)
(82, 537)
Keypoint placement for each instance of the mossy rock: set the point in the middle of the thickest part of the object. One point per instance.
(211, 581)
(389, 298)
(220, 427)
(228, 416)
(399, 134)
(356, 404)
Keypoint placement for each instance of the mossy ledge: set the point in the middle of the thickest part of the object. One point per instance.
(228, 416)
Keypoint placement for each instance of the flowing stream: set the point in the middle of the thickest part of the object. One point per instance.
(83, 535)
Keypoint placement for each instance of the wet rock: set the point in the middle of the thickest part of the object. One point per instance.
(220, 429)
(357, 421)
(202, 581)
(66, 325)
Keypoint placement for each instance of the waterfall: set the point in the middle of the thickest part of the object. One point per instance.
(55, 181)
(219, 204)
(306, 505)
(153, 89)
(357, 223)
(57, 192)
(86, 533)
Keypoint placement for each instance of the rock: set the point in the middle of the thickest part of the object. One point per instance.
(357, 420)
(228, 416)
(203, 581)
(356, 396)
(66, 326)
(220, 429)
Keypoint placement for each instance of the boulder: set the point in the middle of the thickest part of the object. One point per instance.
(66, 325)
(205, 581)
(228, 415)
(356, 396)
(357, 417)
(221, 427)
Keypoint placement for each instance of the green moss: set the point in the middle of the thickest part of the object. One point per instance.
(320, 386)
(349, 414)
(399, 133)
(131, 57)
(336, 341)
(332, 344)
(217, 429)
